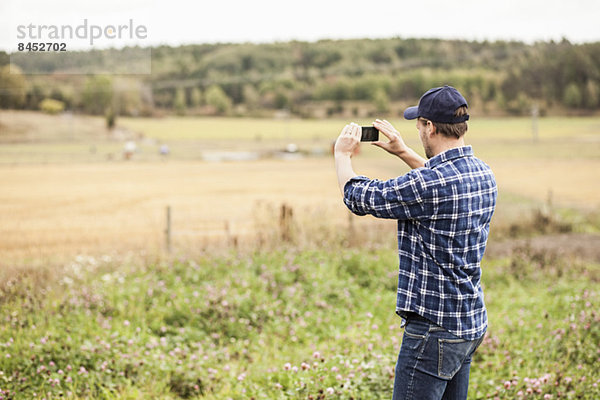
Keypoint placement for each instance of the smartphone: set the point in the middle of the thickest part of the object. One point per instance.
(369, 134)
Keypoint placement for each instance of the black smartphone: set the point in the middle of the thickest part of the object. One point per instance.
(369, 134)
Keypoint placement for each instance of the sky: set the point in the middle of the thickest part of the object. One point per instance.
(176, 22)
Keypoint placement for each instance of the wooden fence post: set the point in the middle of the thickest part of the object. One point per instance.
(285, 222)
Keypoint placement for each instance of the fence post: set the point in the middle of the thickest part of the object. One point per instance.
(285, 222)
(168, 230)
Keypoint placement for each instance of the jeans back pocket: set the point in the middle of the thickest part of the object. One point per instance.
(452, 353)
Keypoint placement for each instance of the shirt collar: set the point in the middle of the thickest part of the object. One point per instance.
(465, 151)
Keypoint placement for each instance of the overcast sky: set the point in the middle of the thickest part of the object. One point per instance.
(177, 22)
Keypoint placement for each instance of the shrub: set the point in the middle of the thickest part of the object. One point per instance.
(51, 106)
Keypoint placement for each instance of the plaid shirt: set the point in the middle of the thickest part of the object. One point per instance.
(443, 211)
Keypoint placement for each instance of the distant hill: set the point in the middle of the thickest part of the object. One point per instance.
(326, 77)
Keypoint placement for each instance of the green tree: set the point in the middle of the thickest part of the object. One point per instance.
(572, 97)
(281, 99)
(110, 117)
(251, 97)
(196, 97)
(179, 103)
(381, 101)
(35, 95)
(216, 97)
(12, 87)
(592, 94)
(97, 94)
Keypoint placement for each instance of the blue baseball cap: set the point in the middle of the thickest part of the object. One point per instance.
(438, 105)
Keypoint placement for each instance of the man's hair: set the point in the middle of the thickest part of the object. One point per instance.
(452, 130)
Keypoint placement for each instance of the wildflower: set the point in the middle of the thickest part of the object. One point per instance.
(547, 396)
(126, 323)
(241, 377)
(330, 390)
(316, 354)
(304, 366)
(287, 366)
(507, 384)
(294, 369)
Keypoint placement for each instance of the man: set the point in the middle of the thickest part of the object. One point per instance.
(443, 206)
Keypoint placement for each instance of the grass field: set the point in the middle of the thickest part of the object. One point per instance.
(95, 308)
(282, 325)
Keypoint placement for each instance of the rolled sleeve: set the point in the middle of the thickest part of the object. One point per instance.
(399, 198)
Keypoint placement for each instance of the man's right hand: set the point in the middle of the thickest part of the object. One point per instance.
(396, 145)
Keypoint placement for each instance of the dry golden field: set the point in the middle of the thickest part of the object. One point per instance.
(66, 189)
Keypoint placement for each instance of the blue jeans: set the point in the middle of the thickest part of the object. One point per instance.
(433, 364)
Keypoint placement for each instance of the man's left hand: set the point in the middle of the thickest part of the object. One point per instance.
(348, 140)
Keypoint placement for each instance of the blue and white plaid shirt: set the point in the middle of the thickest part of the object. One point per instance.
(443, 211)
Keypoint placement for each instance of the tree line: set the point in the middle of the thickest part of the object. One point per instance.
(305, 77)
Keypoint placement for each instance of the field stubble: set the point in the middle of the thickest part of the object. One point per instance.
(60, 199)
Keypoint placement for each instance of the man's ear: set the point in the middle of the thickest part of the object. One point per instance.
(431, 129)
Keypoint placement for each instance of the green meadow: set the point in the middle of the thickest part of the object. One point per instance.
(286, 324)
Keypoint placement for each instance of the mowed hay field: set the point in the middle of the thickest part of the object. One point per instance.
(67, 190)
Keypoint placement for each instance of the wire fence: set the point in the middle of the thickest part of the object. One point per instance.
(281, 226)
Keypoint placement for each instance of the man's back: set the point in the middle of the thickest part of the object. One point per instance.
(459, 198)
(443, 212)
